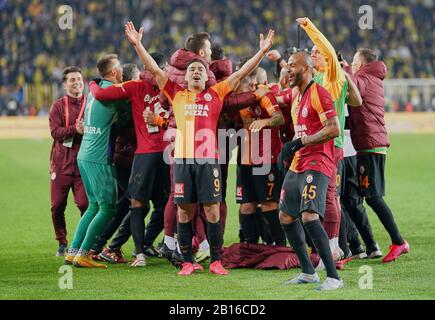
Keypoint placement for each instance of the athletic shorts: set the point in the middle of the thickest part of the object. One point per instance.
(371, 168)
(257, 188)
(99, 181)
(197, 183)
(149, 174)
(302, 192)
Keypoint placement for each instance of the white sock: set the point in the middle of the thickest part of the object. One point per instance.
(178, 248)
(204, 246)
(170, 242)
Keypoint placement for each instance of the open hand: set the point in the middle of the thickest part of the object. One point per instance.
(133, 36)
(257, 125)
(149, 117)
(266, 44)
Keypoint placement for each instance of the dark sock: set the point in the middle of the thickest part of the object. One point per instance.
(249, 226)
(321, 242)
(342, 237)
(137, 227)
(296, 237)
(184, 237)
(386, 217)
(215, 240)
(275, 227)
(123, 233)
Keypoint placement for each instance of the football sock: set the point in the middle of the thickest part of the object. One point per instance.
(96, 227)
(320, 240)
(123, 233)
(386, 217)
(249, 226)
(296, 237)
(184, 234)
(276, 230)
(214, 233)
(137, 227)
(83, 253)
(83, 225)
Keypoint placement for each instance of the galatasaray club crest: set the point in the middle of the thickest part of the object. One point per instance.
(362, 169)
(304, 112)
(207, 97)
(53, 176)
(271, 177)
(310, 178)
(215, 172)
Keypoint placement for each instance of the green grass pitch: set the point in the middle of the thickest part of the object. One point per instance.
(29, 269)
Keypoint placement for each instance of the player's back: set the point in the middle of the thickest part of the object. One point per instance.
(98, 137)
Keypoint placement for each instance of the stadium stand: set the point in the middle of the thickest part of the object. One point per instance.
(33, 54)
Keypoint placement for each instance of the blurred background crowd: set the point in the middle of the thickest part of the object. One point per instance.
(34, 50)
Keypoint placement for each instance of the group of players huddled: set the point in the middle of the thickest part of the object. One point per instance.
(166, 134)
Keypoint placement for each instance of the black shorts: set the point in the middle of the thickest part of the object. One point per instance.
(197, 183)
(371, 170)
(350, 181)
(302, 192)
(149, 175)
(257, 188)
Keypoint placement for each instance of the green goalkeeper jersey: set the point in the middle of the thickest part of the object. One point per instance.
(98, 138)
(340, 104)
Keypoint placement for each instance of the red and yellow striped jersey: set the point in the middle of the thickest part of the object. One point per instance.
(309, 116)
(196, 115)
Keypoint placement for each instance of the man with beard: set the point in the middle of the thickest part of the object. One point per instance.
(303, 194)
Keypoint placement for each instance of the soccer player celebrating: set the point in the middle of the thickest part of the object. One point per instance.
(196, 171)
(368, 121)
(259, 189)
(330, 75)
(66, 126)
(304, 189)
(149, 179)
(96, 168)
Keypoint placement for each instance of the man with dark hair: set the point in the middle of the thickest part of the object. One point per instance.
(197, 175)
(200, 44)
(149, 178)
(66, 127)
(304, 189)
(370, 138)
(96, 167)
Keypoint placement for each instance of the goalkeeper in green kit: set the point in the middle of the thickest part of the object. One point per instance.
(95, 164)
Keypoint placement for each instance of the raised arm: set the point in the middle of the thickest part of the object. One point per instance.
(333, 71)
(135, 37)
(251, 64)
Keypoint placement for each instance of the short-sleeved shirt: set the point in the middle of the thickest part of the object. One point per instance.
(196, 116)
(309, 116)
(142, 95)
(99, 131)
(254, 147)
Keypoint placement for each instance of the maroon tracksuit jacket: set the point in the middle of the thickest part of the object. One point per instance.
(64, 172)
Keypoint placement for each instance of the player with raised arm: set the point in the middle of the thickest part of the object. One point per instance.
(197, 175)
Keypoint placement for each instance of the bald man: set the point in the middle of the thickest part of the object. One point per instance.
(303, 194)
